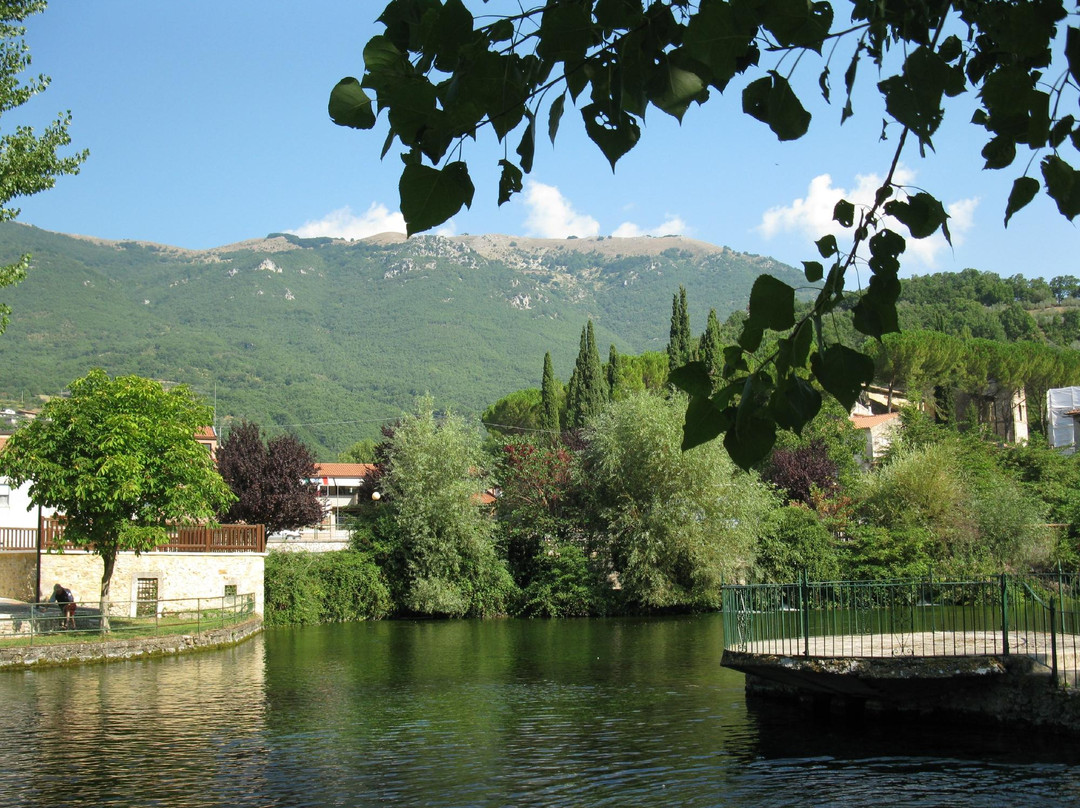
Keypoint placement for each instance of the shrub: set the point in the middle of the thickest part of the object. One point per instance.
(793, 541)
(310, 588)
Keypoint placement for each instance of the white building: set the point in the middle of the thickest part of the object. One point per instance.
(341, 489)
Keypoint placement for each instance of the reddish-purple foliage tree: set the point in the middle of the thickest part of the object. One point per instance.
(797, 473)
(271, 480)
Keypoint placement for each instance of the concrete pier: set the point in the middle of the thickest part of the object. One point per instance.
(910, 674)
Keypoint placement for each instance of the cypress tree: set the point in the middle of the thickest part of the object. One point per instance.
(612, 371)
(711, 351)
(680, 346)
(549, 399)
(587, 393)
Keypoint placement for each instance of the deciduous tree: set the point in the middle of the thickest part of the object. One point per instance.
(444, 560)
(440, 75)
(272, 480)
(119, 460)
(677, 523)
(29, 163)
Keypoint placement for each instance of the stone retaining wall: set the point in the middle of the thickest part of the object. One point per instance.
(177, 575)
(999, 691)
(111, 650)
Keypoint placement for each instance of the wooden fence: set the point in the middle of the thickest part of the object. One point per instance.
(182, 539)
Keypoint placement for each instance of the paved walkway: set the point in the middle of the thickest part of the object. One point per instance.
(1037, 645)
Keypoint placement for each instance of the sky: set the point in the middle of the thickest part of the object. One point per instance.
(207, 125)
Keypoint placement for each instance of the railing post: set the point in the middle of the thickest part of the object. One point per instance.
(804, 612)
(1004, 614)
(1053, 643)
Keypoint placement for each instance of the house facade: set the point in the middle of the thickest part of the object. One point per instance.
(343, 487)
(198, 562)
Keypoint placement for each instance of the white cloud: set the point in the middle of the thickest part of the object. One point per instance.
(550, 214)
(672, 226)
(343, 223)
(811, 216)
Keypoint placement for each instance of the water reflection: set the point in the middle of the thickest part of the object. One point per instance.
(590, 712)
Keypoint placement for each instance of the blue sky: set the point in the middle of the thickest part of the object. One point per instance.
(207, 124)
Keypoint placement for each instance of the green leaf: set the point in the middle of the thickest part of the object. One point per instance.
(383, 62)
(771, 100)
(509, 181)
(735, 359)
(703, 422)
(750, 337)
(613, 14)
(527, 148)
(1023, 191)
(999, 152)
(842, 372)
(826, 246)
(875, 314)
(501, 30)
(554, 116)
(844, 213)
(350, 106)
(751, 442)
(565, 32)
(1062, 129)
(692, 378)
(772, 304)
(922, 213)
(1063, 185)
(797, 23)
(794, 403)
(614, 134)
(813, 270)
(451, 29)
(721, 39)
(1072, 52)
(429, 196)
(675, 84)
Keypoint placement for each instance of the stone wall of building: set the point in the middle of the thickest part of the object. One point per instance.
(303, 545)
(176, 575)
(17, 572)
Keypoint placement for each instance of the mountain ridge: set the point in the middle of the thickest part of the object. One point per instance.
(329, 338)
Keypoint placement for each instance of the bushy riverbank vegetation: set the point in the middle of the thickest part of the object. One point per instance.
(615, 518)
(580, 501)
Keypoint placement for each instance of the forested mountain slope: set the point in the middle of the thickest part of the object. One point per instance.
(329, 338)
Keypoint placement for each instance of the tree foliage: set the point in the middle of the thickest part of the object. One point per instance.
(680, 349)
(29, 163)
(443, 550)
(119, 460)
(272, 480)
(549, 399)
(587, 391)
(440, 75)
(677, 524)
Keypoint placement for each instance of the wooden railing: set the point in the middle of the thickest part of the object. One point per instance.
(18, 538)
(182, 539)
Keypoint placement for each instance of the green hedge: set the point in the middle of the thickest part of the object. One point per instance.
(337, 587)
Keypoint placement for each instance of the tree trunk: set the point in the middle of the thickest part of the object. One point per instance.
(109, 564)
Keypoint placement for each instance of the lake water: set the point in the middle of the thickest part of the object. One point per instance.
(470, 713)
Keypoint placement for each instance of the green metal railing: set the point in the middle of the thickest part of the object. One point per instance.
(45, 623)
(1036, 616)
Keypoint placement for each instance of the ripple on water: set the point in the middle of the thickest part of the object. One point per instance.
(627, 713)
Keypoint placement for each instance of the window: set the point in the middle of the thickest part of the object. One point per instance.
(230, 590)
(5, 496)
(146, 595)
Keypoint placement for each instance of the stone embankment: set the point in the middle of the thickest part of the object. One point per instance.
(117, 650)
